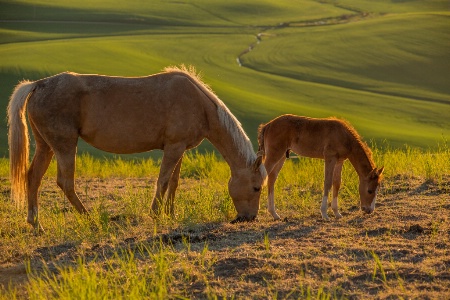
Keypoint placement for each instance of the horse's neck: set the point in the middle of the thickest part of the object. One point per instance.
(361, 161)
(224, 142)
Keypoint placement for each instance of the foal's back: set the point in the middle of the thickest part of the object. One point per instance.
(308, 137)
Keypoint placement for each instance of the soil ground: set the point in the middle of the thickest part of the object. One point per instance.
(400, 251)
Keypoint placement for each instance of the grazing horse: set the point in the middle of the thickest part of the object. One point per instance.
(173, 111)
(331, 139)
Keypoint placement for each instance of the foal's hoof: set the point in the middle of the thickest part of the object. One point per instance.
(325, 218)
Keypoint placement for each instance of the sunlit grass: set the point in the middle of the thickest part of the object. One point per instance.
(154, 269)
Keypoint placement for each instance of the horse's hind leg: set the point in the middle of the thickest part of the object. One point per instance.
(330, 163)
(172, 155)
(173, 184)
(65, 158)
(39, 165)
(336, 187)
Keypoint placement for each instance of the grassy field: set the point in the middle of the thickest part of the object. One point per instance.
(360, 60)
(120, 251)
(383, 65)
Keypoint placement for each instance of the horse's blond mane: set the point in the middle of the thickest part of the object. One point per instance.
(227, 119)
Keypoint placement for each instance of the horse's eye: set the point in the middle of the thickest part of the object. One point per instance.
(256, 189)
(370, 191)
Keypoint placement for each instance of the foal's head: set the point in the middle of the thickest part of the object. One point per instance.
(368, 189)
(245, 189)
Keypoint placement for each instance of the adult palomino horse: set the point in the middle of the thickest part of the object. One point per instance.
(173, 111)
(331, 139)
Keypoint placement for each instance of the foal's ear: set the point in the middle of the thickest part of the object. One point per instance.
(257, 163)
(375, 173)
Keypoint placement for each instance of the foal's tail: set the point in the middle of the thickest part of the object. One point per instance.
(261, 131)
(18, 141)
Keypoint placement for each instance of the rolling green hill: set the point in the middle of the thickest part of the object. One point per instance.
(383, 65)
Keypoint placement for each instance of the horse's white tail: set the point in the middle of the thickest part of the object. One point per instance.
(18, 141)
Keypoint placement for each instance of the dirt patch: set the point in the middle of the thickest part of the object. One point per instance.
(402, 250)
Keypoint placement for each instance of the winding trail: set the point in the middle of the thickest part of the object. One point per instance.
(343, 19)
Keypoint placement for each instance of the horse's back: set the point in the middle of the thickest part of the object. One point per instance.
(121, 114)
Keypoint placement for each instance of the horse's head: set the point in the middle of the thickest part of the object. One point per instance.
(245, 189)
(368, 189)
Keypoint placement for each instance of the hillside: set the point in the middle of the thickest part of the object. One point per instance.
(360, 60)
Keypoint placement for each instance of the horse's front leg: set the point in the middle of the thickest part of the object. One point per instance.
(171, 157)
(330, 162)
(173, 184)
(336, 187)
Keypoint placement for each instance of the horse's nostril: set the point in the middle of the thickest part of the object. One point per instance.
(238, 220)
(367, 210)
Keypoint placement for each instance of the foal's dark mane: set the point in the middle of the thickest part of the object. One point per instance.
(358, 139)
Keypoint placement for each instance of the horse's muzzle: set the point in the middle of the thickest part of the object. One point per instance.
(240, 219)
(367, 210)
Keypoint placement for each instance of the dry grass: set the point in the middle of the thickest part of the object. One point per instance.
(400, 251)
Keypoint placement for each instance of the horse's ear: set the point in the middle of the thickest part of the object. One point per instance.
(257, 163)
(373, 174)
(380, 171)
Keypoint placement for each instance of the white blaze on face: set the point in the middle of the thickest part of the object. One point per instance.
(372, 206)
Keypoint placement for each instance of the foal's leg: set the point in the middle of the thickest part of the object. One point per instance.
(66, 173)
(273, 164)
(336, 186)
(173, 184)
(172, 155)
(42, 157)
(330, 162)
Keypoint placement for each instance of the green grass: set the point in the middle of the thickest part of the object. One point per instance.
(388, 78)
(102, 262)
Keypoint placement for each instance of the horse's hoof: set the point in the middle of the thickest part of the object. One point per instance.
(38, 229)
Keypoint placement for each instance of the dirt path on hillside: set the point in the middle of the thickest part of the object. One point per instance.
(354, 16)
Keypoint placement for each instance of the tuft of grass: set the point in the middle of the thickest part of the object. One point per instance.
(378, 267)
